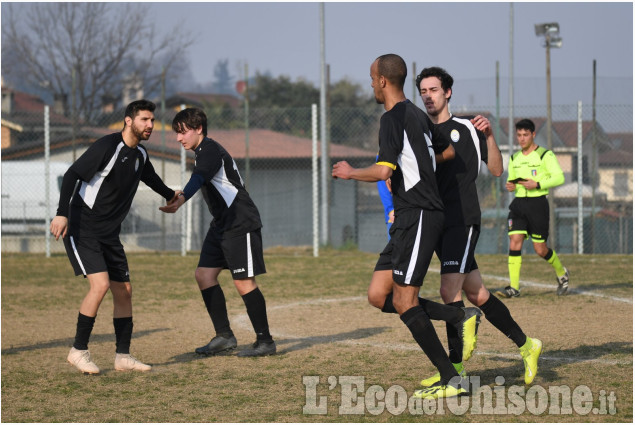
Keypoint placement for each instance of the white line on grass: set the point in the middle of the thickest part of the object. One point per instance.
(553, 287)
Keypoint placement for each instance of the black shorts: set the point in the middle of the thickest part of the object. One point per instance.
(89, 255)
(242, 254)
(456, 249)
(529, 217)
(413, 238)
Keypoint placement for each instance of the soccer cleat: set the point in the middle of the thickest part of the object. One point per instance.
(454, 388)
(218, 344)
(508, 292)
(259, 348)
(434, 379)
(530, 352)
(81, 360)
(563, 283)
(124, 362)
(469, 329)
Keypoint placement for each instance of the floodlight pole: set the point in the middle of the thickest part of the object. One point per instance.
(551, 33)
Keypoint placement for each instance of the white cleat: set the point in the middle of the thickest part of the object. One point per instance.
(81, 360)
(125, 362)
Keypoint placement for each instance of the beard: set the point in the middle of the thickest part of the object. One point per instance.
(139, 133)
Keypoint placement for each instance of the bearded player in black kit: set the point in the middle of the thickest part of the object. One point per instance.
(95, 197)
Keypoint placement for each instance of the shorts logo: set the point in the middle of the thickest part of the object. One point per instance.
(238, 271)
(454, 135)
(451, 263)
(398, 272)
(509, 224)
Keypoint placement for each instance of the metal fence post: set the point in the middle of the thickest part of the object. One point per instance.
(314, 178)
(47, 179)
(580, 182)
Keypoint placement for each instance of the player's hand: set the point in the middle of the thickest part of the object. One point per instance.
(389, 185)
(342, 170)
(59, 226)
(510, 186)
(174, 204)
(176, 195)
(482, 124)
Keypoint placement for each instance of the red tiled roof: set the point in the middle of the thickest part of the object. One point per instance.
(264, 144)
(622, 155)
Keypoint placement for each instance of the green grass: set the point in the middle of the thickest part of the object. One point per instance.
(323, 327)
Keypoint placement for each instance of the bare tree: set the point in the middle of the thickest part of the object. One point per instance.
(84, 53)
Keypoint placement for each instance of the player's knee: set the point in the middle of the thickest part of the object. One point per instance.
(376, 300)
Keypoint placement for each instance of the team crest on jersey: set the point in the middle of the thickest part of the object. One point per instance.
(534, 172)
(454, 135)
(136, 165)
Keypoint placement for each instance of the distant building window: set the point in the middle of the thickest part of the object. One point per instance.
(620, 184)
(586, 177)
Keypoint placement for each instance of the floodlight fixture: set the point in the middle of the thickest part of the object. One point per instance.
(549, 28)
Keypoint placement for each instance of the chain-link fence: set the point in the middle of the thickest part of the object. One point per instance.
(273, 150)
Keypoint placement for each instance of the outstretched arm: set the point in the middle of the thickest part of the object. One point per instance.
(373, 173)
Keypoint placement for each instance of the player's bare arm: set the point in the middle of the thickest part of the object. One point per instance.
(495, 159)
(374, 173)
(447, 154)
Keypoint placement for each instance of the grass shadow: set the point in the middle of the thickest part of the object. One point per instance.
(288, 345)
(68, 342)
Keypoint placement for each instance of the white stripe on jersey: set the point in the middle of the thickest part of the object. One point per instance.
(79, 260)
(224, 186)
(144, 153)
(467, 249)
(408, 163)
(89, 190)
(475, 140)
(250, 261)
(415, 253)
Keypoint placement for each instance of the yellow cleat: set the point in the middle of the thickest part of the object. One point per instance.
(531, 352)
(442, 391)
(469, 330)
(434, 379)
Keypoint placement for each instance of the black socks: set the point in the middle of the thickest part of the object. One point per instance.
(214, 299)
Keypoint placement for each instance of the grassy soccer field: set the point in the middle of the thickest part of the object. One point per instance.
(324, 329)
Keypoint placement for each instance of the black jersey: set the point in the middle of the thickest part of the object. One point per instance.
(224, 192)
(407, 146)
(109, 173)
(457, 178)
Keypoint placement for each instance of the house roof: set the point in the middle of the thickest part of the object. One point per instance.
(263, 144)
(622, 154)
(28, 110)
(201, 99)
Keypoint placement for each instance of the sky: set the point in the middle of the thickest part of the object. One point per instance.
(467, 39)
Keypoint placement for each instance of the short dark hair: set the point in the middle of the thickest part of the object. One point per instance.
(435, 71)
(190, 118)
(526, 124)
(393, 68)
(139, 105)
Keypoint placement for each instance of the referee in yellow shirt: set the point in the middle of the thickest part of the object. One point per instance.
(532, 172)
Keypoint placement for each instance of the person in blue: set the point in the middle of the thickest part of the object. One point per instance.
(385, 195)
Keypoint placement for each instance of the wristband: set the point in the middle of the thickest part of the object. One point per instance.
(537, 185)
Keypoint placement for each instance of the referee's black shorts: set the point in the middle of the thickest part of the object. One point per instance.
(413, 239)
(241, 254)
(529, 217)
(91, 254)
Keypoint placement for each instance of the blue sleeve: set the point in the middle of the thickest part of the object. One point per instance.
(195, 183)
(386, 198)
